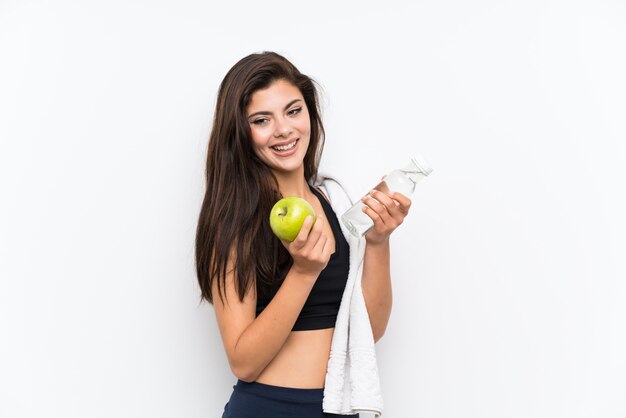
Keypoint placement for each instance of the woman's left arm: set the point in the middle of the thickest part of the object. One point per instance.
(388, 211)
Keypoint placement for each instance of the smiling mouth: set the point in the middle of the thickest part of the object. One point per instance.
(285, 147)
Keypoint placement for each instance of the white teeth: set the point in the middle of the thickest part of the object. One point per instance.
(285, 147)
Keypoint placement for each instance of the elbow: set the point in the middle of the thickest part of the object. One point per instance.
(246, 377)
(379, 331)
(378, 335)
(244, 373)
(243, 365)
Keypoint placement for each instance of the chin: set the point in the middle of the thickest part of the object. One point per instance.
(288, 168)
(292, 165)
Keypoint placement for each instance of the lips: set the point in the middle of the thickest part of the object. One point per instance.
(285, 148)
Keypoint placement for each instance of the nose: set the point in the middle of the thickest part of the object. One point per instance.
(282, 128)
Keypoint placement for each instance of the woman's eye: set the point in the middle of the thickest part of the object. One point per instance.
(295, 111)
(259, 121)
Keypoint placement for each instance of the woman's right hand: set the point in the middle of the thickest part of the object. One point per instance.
(311, 249)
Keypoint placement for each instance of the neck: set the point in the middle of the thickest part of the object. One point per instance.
(293, 183)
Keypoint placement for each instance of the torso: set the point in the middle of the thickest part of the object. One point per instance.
(301, 362)
(303, 359)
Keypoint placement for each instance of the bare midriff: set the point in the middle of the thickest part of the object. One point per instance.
(301, 362)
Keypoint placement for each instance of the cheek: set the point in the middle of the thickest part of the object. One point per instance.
(258, 139)
(306, 122)
(303, 124)
(260, 142)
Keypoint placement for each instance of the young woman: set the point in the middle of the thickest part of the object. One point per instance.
(276, 302)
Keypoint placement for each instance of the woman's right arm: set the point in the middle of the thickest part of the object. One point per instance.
(252, 342)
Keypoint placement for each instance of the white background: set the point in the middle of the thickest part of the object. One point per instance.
(509, 274)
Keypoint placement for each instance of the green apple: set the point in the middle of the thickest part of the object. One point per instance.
(288, 215)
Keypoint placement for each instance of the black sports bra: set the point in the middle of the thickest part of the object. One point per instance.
(321, 307)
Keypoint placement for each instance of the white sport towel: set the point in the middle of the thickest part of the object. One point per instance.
(352, 381)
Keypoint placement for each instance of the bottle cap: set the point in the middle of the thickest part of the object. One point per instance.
(422, 164)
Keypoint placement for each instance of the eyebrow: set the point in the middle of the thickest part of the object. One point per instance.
(265, 112)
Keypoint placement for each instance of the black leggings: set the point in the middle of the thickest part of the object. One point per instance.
(258, 400)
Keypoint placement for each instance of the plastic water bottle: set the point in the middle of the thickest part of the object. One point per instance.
(402, 180)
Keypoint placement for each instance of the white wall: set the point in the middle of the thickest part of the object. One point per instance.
(508, 274)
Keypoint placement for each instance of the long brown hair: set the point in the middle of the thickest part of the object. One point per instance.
(233, 226)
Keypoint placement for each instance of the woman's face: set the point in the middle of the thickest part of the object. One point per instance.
(280, 126)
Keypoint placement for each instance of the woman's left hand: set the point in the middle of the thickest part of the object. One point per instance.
(387, 210)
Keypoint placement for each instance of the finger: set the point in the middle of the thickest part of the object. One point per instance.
(396, 212)
(391, 205)
(315, 234)
(319, 245)
(377, 207)
(405, 202)
(302, 237)
(373, 215)
(328, 249)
